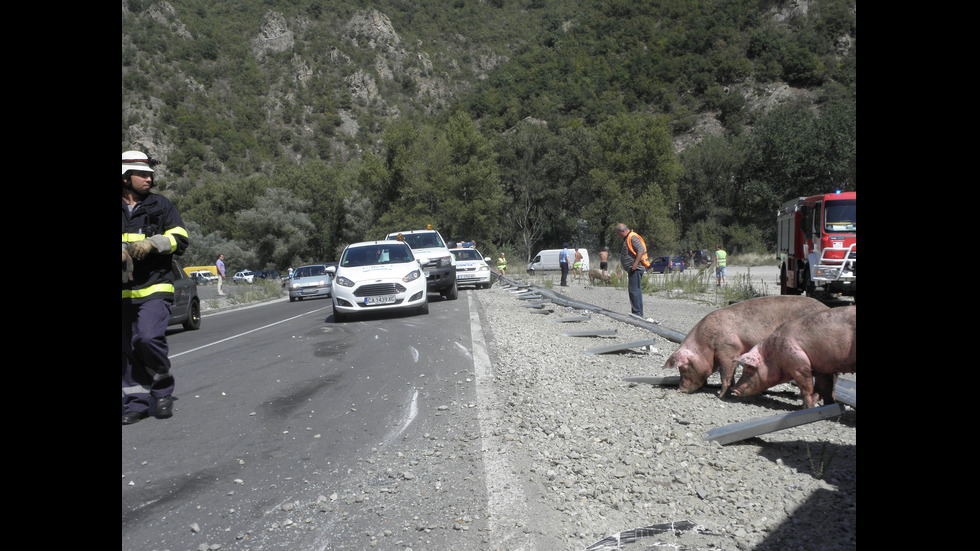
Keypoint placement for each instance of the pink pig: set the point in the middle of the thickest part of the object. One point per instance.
(815, 347)
(721, 336)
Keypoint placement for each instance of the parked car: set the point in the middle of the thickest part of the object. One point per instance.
(268, 274)
(699, 257)
(376, 276)
(187, 306)
(664, 264)
(310, 281)
(439, 264)
(244, 276)
(471, 268)
(203, 277)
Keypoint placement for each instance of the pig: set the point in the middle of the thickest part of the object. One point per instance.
(721, 336)
(599, 275)
(810, 350)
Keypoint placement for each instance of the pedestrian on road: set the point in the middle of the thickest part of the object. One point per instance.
(577, 266)
(152, 233)
(221, 271)
(563, 264)
(633, 257)
(721, 260)
(502, 264)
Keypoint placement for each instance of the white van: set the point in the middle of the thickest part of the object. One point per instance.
(547, 260)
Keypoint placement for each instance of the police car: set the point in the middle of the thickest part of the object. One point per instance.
(471, 268)
(377, 276)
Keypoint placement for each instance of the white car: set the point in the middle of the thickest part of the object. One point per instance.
(377, 276)
(203, 277)
(244, 276)
(439, 264)
(471, 268)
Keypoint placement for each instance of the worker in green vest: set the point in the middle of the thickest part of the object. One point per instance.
(502, 264)
(720, 263)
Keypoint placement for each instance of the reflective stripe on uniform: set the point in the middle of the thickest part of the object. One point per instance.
(152, 289)
(169, 234)
(138, 389)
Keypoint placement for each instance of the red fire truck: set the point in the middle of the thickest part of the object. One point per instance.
(817, 245)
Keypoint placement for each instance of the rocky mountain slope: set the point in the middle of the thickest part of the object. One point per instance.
(328, 80)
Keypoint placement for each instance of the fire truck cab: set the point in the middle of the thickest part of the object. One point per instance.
(817, 245)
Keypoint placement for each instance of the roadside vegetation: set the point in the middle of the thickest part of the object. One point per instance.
(691, 284)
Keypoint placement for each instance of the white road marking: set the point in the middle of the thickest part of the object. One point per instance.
(507, 507)
(245, 333)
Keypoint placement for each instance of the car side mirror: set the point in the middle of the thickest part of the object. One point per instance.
(331, 270)
(486, 259)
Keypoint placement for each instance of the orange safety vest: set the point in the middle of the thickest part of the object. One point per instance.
(644, 260)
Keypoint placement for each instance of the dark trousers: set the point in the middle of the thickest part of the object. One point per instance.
(564, 273)
(636, 292)
(145, 361)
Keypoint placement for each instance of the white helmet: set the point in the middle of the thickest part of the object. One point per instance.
(137, 160)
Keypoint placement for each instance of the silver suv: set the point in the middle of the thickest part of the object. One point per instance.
(437, 262)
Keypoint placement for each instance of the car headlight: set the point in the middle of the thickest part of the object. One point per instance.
(344, 282)
(412, 276)
(483, 268)
(445, 261)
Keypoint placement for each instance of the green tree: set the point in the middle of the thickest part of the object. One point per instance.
(277, 228)
(710, 170)
(635, 179)
(448, 178)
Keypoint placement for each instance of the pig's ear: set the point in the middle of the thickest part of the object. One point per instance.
(744, 363)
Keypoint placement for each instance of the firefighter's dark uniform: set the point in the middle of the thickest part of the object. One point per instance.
(147, 300)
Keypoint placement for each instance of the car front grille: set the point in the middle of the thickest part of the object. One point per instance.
(377, 289)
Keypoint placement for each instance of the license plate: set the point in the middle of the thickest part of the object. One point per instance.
(386, 299)
(465, 276)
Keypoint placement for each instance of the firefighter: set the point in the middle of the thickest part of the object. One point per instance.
(152, 232)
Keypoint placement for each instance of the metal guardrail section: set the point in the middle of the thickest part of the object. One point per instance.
(755, 427)
(670, 380)
(562, 300)
(845, 390)
(571, 319)
(622, 347)
(591, 333)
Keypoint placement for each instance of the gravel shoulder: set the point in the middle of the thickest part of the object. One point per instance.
(600, 456)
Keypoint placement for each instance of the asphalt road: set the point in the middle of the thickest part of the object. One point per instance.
(276, 406)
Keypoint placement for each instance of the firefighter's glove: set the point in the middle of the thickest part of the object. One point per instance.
(127, 266)
(140, 249)
(157, 243)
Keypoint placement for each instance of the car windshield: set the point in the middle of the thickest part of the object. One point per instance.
(423, 240)
(310, 271)
(840, 215)
(468, 254)
(370, 255)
